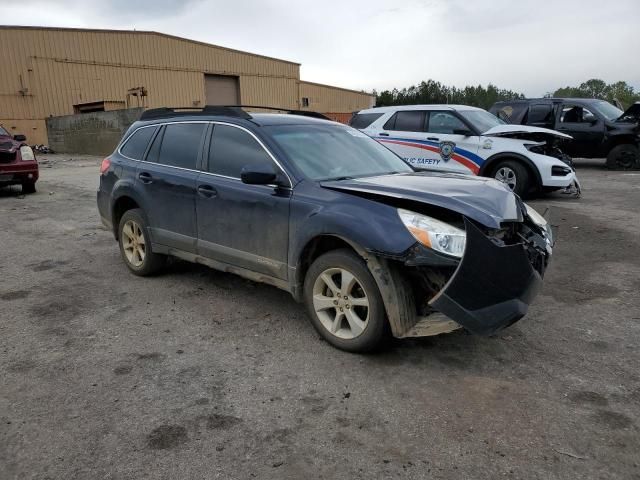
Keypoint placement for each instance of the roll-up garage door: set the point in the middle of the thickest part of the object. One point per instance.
(221, 90)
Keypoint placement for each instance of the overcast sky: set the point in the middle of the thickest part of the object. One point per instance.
(532, 46)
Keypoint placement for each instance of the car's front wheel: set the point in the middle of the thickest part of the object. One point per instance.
(344, 302)
(135, 244)
(624, 157)
(514, 175)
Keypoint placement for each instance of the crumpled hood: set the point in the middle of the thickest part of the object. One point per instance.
(484, 200)
(632, 113)
(508, 130)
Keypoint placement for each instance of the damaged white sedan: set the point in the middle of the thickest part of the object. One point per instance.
(471, 140)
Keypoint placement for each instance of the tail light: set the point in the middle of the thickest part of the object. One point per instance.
(106, 163)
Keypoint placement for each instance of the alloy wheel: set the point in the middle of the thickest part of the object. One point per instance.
(133, 243)
(507, 176)
(341, 303)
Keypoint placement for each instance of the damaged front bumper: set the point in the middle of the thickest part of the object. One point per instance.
(493, 284)
(489, 289)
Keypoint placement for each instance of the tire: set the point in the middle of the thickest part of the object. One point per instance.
(28, 187)
(624, 157)
(342, 323)
(135, 244)
(512, 170)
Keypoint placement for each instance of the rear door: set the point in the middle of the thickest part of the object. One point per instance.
(167, 179)
(541, 115)
(239, 224)
(405, 133)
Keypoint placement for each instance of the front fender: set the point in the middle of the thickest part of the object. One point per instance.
(316, 211)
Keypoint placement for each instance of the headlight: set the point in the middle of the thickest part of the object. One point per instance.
(536, 217)
(27, 154)
(432, 233)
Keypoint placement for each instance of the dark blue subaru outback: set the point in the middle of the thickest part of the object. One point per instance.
(319, 209)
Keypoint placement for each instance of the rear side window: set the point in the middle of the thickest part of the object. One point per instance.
(540, 114)
(137, 143)
(231, 149)
(363, 120)
(181, 144)
(407, 121)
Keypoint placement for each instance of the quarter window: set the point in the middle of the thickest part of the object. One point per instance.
(445, 123)
(363, 120)
(232, 149)
(181, 144)
(137, 143)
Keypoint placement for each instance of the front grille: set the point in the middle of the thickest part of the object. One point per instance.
(7, 157)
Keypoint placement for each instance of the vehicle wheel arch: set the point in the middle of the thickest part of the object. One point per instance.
(397, 295)
(621, 139)
(492, 161)
(121, 204)
(315, 247)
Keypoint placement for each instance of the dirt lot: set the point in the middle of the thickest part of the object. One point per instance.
(199, 374)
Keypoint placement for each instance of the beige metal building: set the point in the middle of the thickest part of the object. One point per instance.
(62, 71)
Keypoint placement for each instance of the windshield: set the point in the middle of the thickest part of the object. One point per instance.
(4, 132)
(481, 119)
(607, 110)
(330, 152)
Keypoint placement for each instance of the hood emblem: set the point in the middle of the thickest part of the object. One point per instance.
(446, 150)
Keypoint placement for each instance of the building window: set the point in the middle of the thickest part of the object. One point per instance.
(305, 101)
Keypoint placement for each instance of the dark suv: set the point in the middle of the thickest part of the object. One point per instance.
(598, 128)
(18, 164)
(321, 210)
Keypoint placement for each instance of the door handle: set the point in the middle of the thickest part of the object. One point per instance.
(433, 139)
(145, 177)
(207, 191)
(383, 134)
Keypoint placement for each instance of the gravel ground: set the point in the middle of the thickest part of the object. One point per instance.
(200, 374)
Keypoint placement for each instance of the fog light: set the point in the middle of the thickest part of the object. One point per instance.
(30, 176)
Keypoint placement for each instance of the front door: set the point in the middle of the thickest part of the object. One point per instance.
(167, 180)
(457, 145)
(239, 224)
(586, 129)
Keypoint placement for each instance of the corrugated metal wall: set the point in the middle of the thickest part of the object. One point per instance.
(46, 71)
(328, 99)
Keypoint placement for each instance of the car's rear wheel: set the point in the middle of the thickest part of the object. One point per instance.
(514, 175)
(344, 302)
(135, 244)
(624, 157)
(28, 187)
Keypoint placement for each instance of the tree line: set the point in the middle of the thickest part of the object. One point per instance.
(431, 91)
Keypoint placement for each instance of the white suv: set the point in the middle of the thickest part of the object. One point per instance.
(471, 140)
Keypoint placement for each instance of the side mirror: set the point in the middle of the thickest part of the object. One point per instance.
(590, 118)
(258, 175)
(463, 131)
(20, 138)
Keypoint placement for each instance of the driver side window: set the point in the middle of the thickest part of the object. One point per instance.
(444, 123)
(575, 114)
(231, 149)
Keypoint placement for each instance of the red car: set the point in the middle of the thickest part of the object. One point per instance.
(18, 165)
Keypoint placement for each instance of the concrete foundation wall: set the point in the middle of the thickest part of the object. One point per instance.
(95, 133)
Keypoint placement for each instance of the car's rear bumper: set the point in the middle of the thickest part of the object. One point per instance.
(493, 284)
